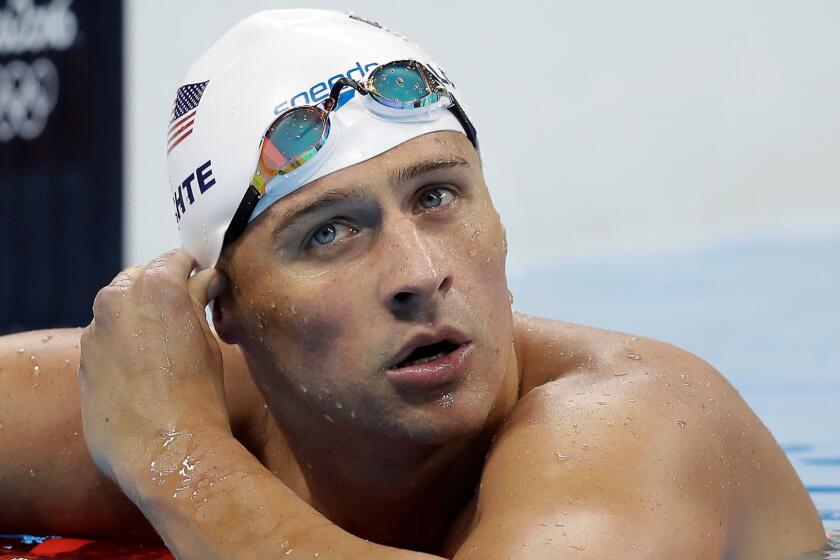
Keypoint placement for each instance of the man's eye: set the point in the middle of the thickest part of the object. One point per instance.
(434, 198)
(329, 233)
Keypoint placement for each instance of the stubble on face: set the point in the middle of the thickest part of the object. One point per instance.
(320, 333)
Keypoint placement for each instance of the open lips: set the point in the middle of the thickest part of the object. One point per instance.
(426, 347)
(428, 353)
(430, 360)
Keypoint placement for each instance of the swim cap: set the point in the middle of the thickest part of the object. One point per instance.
(266, 64)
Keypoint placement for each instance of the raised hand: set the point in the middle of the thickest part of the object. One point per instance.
(151, 368)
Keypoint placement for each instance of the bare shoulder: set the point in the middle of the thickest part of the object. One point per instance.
(630, 446)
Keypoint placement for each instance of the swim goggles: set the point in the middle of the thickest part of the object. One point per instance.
(400, 90)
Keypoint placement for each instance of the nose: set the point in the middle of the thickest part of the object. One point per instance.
(416, 278)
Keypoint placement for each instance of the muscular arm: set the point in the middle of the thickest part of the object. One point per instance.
(651, 457)
(227, 505)
(48, 483)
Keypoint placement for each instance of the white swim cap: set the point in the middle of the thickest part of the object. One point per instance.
(266, 64)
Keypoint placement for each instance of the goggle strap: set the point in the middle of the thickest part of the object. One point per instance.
(339, 84)
(469, 129)
(242, 215)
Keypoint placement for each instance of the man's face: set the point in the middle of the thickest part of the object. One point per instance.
(343, 289)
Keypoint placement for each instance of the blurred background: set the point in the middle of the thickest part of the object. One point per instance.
(664, 168)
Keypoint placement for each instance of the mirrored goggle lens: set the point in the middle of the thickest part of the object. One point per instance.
(400, 82)
(294, 139)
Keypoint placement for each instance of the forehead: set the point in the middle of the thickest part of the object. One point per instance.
(444, 146)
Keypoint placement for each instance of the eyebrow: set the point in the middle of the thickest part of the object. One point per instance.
(395, 178)
(404, 174)
(329, 198)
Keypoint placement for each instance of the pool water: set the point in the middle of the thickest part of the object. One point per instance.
(764, 312)
(818, 466)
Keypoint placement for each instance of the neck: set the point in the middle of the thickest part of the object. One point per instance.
(386, 490)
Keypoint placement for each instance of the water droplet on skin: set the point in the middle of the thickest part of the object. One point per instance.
(303, 388)
(47, 338)
(32, 357)
(36, 370)
(32, 473)
(562, 457)
(21, 350)
(352, 413)
(682, 423)
(294, 311)
(634, 356)
(329, 418)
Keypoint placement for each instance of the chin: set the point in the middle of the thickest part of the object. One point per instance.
(455, 415)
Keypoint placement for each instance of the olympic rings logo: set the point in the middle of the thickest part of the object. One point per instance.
(28, 94)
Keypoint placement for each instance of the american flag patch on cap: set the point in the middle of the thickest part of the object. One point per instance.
(183, 113)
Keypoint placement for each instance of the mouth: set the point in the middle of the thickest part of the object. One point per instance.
(428, 353)
(431, 359)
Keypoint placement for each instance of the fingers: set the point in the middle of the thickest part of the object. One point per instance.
(127, 276)
(165, 276)
(174, 265)
(177, 262)
(108, 300)
(206, 285)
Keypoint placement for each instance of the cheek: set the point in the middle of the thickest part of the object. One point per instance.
(322, 327)
(482, 267)
(483, 248)
(312, 328)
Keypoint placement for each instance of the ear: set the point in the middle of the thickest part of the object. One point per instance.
(223, 320)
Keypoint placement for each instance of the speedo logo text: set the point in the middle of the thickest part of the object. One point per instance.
(321, 90)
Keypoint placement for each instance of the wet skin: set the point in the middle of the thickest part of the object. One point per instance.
(413, 245)
(550, 441)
